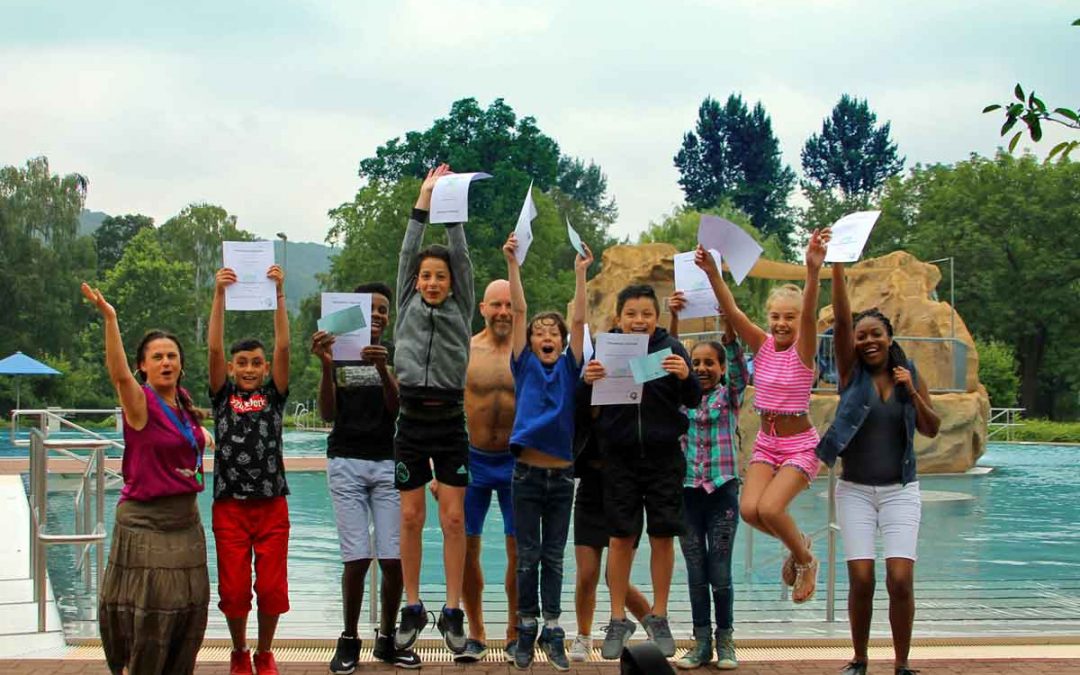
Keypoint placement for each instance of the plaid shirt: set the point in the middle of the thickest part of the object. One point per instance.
(709, 443)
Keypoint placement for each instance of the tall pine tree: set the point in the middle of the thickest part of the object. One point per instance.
(732, 154)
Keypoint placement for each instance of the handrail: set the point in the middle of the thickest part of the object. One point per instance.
(40, 447)
(61, 445)
(831, 527)
(1013, 418)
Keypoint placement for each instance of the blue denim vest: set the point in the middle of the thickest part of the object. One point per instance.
(851, 412)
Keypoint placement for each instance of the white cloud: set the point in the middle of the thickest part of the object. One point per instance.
(446, 24)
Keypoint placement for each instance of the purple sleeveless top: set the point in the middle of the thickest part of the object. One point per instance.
(158, 459)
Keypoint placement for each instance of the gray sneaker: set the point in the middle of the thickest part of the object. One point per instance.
(582, 647)
(618, 634)
(725, 650)
(701, 653)
(660, 633)
(474, 651)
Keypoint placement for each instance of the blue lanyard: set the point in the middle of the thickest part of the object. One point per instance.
(185, 430)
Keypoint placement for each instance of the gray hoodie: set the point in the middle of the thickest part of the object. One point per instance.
(432, 343)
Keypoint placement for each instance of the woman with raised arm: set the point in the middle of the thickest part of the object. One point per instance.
(155, 592)
(882, 404)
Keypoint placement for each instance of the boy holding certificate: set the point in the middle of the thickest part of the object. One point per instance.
(645, 467)
(250, 514)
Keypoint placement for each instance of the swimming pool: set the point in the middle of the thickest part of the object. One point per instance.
(1008, 555)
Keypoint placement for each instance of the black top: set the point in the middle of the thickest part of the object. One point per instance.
(247, 428)
(875, 455)
(363, 427)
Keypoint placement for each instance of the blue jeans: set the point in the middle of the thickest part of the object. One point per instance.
(711, 520)
(542, 502)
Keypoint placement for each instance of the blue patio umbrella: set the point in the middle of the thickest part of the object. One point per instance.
(21, 365)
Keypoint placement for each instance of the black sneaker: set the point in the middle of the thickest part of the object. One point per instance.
(346, 655)
(553, 642)
(510, 649)
(451, 624)
(413, 620)
(526, 643)
(854, 668)
(386, 652)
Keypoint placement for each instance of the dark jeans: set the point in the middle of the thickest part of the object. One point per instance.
(711, 520)
(542, 502)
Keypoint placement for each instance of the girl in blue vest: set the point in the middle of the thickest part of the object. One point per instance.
(882, 403)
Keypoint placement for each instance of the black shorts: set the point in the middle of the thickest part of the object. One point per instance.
(649, 486)
(431, 436)
(590, 522)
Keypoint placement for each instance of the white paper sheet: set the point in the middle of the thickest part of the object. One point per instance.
(587, 350)
(849, 235)
(694, 283)
(348, 347)
(737, 248)
(524, 226)
(615, 350)
(252, 290)
(450, 197)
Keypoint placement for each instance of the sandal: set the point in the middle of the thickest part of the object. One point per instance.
(787, 572)
(803, 573)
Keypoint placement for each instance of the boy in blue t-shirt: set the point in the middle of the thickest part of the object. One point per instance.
(545, 382)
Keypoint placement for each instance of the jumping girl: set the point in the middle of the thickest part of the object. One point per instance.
(783, 462)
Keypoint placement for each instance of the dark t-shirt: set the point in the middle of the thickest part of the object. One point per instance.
(247, 428)
(875, 455)
(363, 427)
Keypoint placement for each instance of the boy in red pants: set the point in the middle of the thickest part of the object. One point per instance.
(250, 514)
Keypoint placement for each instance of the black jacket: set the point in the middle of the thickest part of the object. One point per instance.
(660, 419)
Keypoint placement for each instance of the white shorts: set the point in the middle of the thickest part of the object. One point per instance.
(365, 499)
(864, 510)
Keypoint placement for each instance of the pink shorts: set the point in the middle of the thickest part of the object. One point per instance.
(796, 451)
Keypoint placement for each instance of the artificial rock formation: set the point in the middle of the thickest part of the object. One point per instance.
(898, 284)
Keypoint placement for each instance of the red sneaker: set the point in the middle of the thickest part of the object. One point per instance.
(265, 664)
(240, 662)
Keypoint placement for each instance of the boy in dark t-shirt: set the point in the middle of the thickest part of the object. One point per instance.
(250, 513)
(361, 399)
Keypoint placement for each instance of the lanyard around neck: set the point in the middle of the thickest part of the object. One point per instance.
(185, 431)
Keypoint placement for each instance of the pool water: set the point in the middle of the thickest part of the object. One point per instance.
(1019, 530)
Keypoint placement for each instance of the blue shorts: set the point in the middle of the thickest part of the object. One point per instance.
(488, 471)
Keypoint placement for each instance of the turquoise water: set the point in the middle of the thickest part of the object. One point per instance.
(298, 443)
(1022, 527)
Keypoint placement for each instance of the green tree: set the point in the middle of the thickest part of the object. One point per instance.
(997, 372)
(1011, 225)
(679, 228)
(733, 154)
(42, 258)
(1032, 111)
(369, 228)
(113, 235)
(852, 153)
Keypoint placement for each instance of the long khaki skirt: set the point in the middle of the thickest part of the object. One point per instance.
(155, 592)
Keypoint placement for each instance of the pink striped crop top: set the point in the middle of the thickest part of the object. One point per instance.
(782, 382)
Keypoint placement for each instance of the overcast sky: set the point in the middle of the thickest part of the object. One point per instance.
(266, 107)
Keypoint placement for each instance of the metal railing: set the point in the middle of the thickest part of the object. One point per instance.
(1004, 420)
(830, 529)
(89, 524)
(52, 419)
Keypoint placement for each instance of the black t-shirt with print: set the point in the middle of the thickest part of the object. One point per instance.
(247, 428)
(363, 427)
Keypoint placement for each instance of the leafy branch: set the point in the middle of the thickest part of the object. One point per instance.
(1031, 110)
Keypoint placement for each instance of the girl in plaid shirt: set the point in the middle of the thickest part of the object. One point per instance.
(711, 493)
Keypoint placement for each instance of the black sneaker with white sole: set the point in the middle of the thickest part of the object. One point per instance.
(413, 620)
(386, 652)
(346, 655)
(451, 624)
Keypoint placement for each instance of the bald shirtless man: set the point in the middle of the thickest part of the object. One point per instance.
(489, 414)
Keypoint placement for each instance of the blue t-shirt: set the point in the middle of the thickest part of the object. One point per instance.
(544, 415)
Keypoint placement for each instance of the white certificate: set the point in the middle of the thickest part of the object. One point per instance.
(523, 231)
(615, 350)
(736, 247)
(849, 235)
(694, 283)
(348, 346)
(251, 260)
(450, 197)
